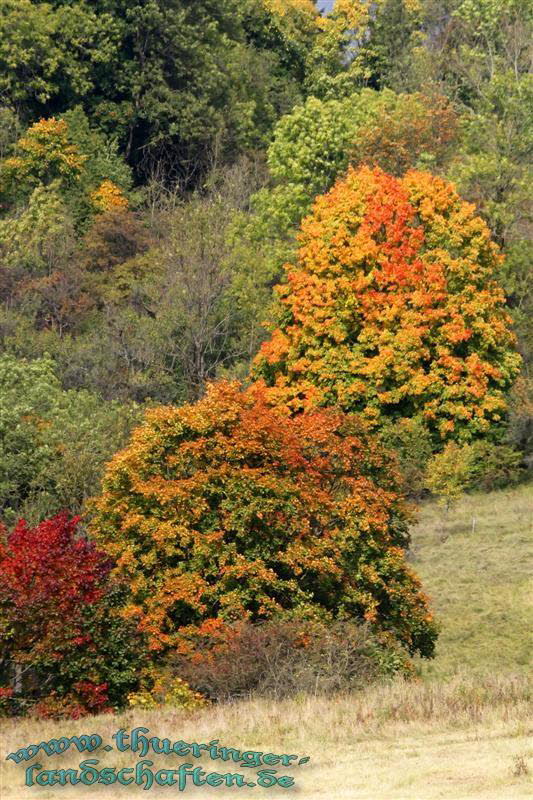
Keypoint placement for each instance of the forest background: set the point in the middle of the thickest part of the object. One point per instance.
(156, 162)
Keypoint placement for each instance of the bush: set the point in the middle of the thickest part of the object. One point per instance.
(521, 418)
(226, 510)
(63, 646)
(449, 473)
(53, 443)
(410, 439)
(283, 658)
(481, 465)
(166, 691)
(494, 466)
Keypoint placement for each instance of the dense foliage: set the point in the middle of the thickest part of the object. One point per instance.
(53, 443)
(169, 79)
(317, 141)
(392, 309)
(226, 510)
(60, 635)
(160, 163)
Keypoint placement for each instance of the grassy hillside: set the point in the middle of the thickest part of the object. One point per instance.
(462, 731)
(476, 563)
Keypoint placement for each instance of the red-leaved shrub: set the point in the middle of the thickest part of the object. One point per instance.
(57, 624)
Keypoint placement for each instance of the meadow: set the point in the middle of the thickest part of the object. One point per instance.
(461, 730)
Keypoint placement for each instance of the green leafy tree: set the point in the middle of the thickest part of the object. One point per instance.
(52, 54)
(176, 83)
(494, 170)
(53, 443)
(393, 35)
(37, 240)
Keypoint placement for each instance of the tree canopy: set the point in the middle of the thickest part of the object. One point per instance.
(392, 309)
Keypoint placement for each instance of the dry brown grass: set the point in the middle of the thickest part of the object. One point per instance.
(461, 739)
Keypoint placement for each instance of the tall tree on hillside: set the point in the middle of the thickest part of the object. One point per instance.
(392, 309)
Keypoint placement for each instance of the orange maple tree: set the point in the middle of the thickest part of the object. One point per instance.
(392, 310)
(226, 510)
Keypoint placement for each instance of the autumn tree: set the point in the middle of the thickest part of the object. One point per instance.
(226, 510)
(317, 141)
(415, 130)
(62, 644)
(392, 310)
(65, 154)
(44, 154)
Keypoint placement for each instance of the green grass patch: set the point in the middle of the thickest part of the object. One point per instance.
(476, 563)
